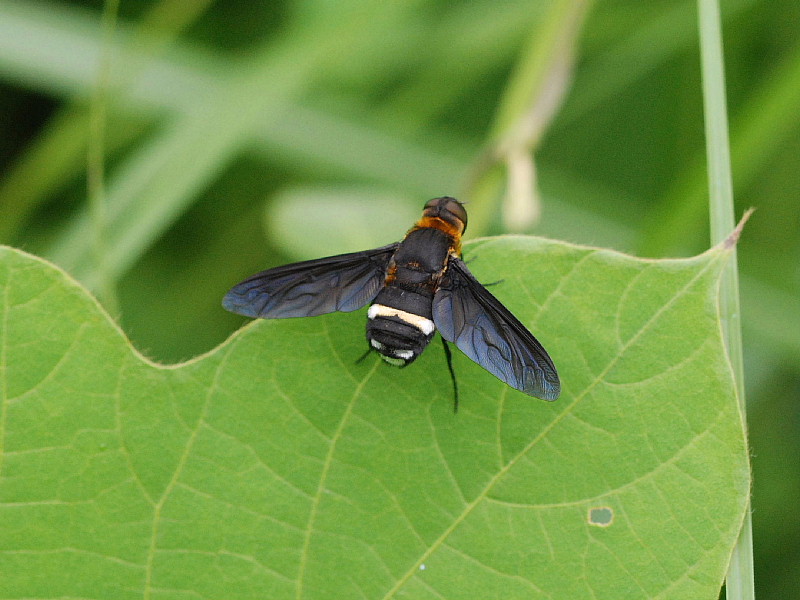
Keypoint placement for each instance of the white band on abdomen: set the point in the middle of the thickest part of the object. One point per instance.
(426, 326)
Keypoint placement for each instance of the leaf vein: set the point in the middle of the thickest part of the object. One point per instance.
(567, 410)
(159, 505)
(304, 551)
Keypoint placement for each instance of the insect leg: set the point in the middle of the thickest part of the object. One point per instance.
(449, 357)
(363, 356)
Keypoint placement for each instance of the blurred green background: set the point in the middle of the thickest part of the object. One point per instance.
(240, 135)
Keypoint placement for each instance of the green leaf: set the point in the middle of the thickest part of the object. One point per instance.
(276, 466)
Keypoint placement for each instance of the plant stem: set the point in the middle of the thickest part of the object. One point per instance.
(95, 159)
(532, 97)
(739, 580)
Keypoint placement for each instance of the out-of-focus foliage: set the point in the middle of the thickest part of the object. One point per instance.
(218, 114)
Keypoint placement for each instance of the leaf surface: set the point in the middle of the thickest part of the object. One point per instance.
(276, 466)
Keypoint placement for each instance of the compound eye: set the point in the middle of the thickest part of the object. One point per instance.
(457, 209)
(449, 209)
(433, 203)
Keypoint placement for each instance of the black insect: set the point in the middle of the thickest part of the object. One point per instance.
(415, 286)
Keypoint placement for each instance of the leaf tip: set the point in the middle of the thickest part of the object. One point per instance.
(733, 238)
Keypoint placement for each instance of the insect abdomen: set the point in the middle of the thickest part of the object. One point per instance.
(400, 323)
(400, 320)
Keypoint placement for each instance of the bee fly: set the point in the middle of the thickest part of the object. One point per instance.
(415, 287)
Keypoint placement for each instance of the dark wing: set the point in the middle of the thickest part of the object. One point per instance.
(474, 320)
(312, 287)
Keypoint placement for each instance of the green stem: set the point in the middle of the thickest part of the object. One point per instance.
(534, 93)
(739, 580)
(95, 168)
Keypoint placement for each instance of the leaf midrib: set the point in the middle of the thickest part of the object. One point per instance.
(481, 496)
